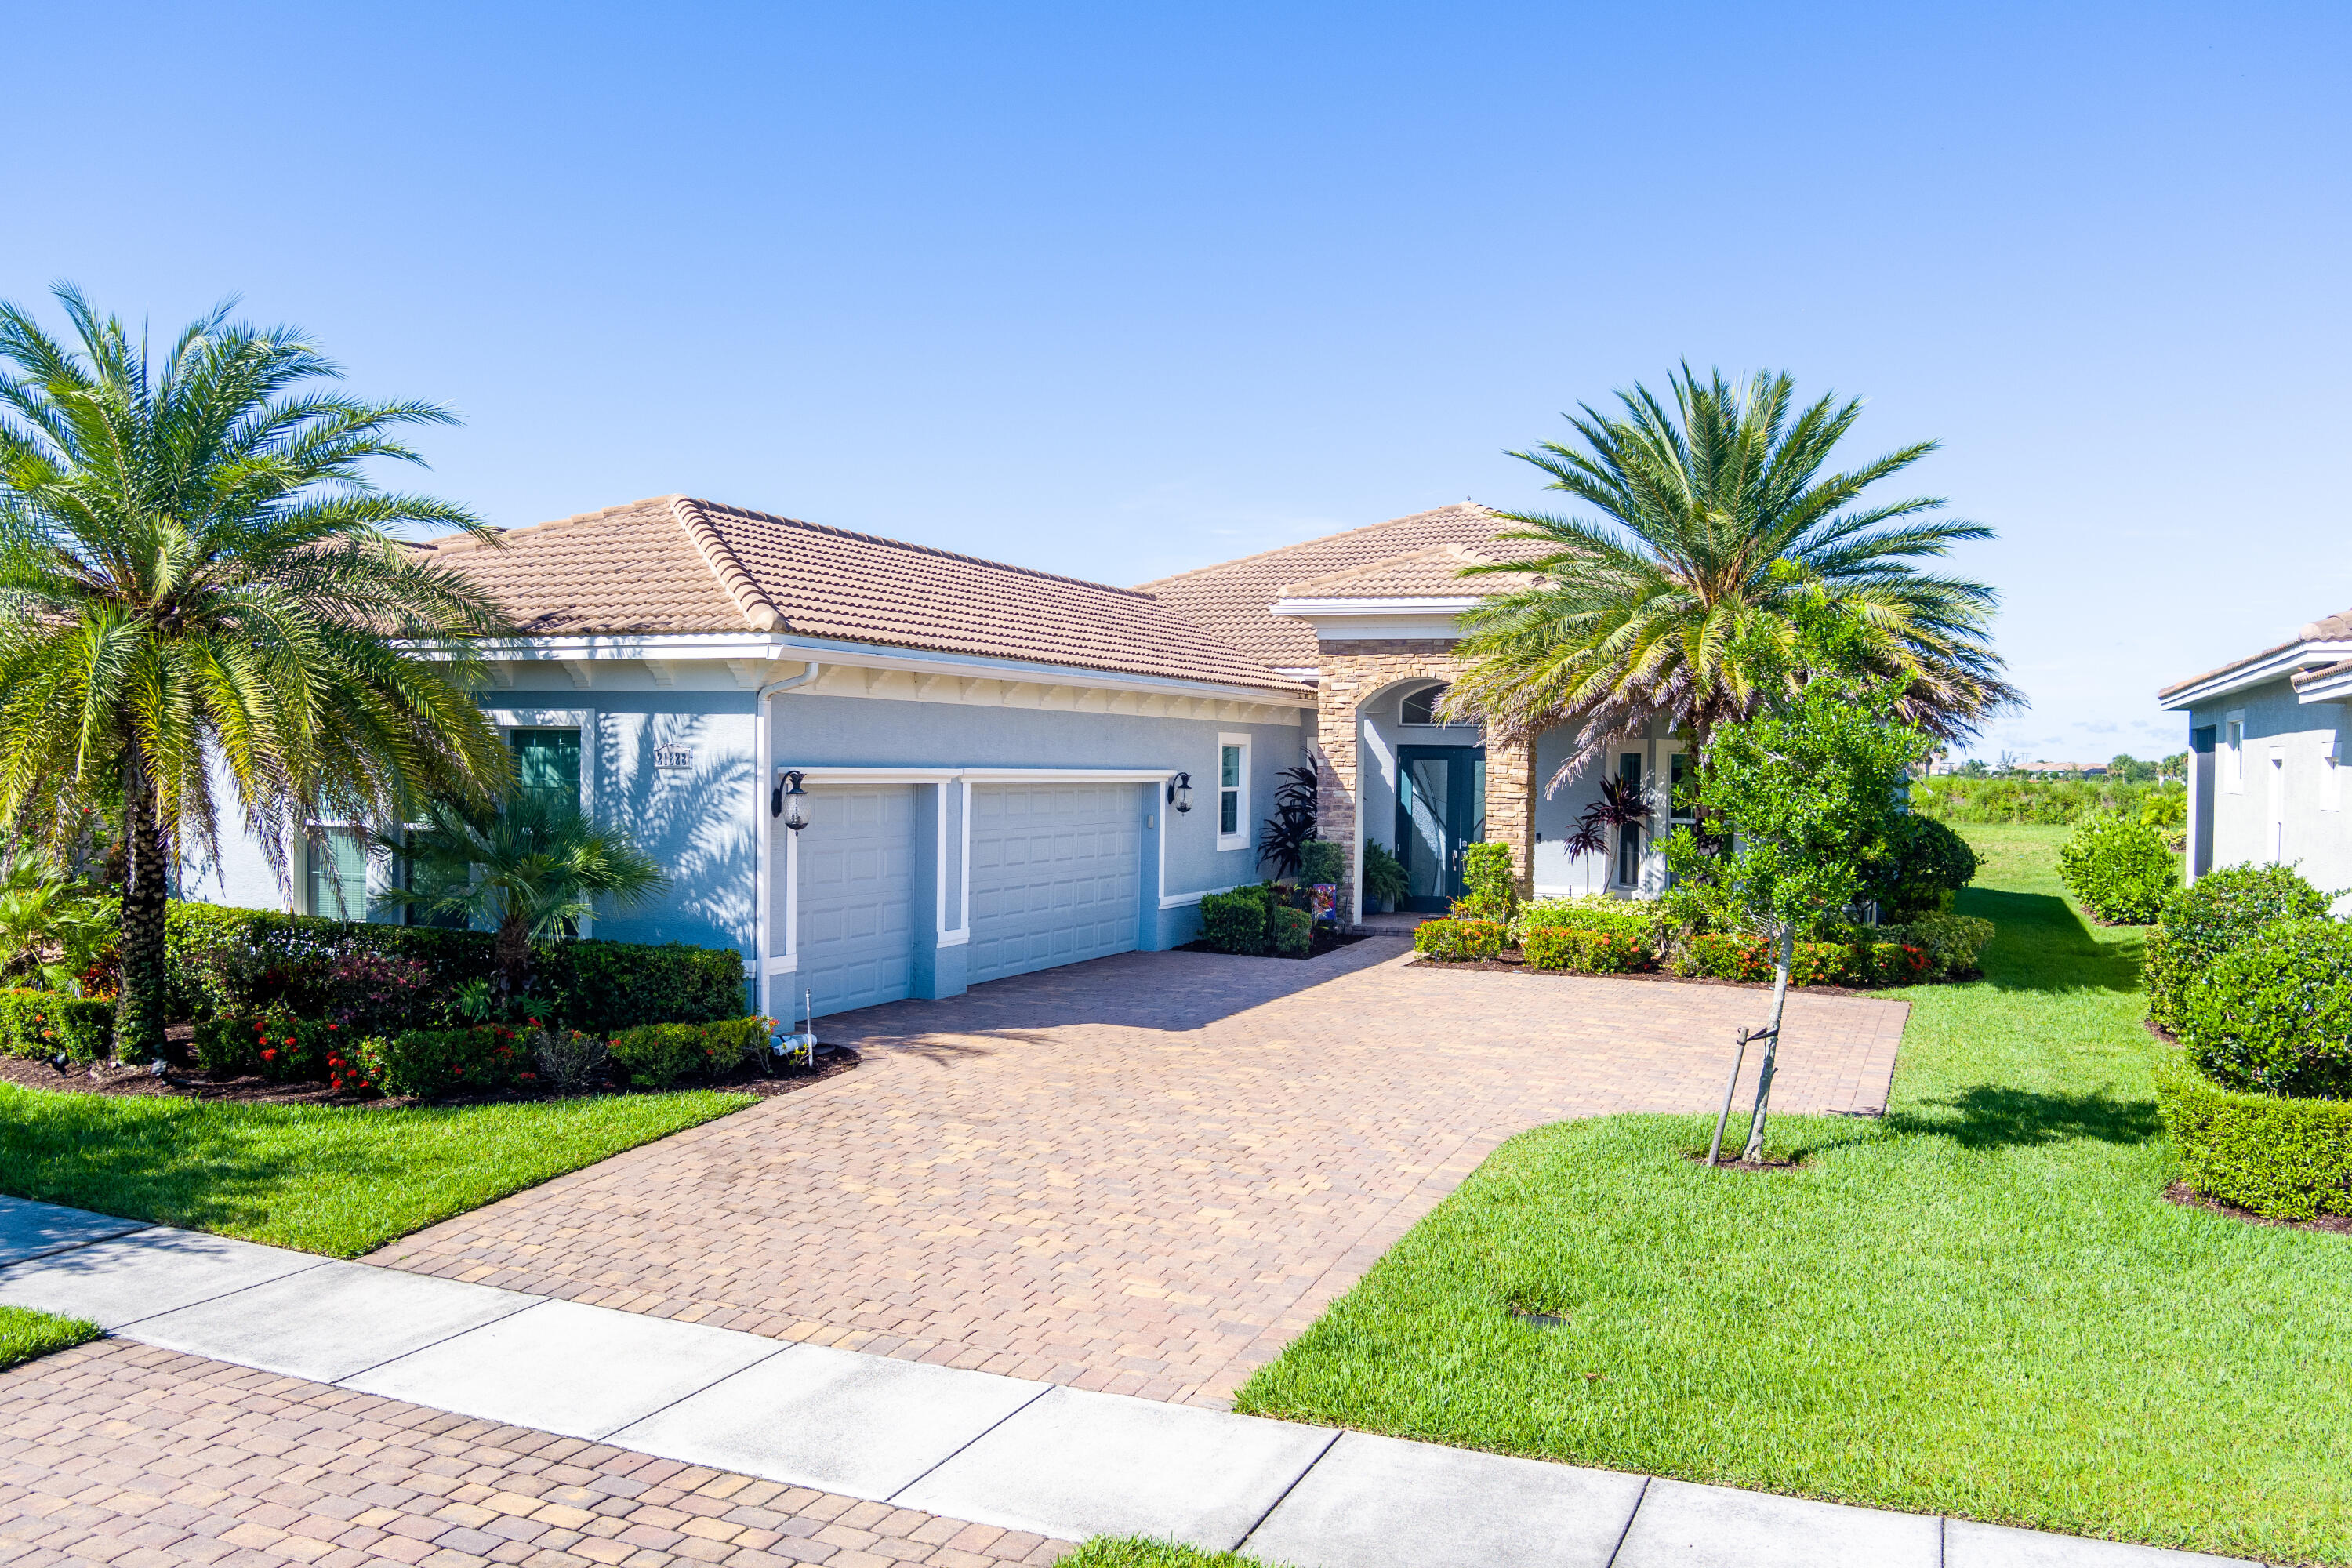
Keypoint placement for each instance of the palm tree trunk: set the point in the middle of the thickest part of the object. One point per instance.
(1755, 1150)
(513, 952)
(138, 1013)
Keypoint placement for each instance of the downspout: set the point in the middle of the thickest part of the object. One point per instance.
(766, 747)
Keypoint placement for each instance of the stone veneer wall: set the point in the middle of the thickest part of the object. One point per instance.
(1349, 672)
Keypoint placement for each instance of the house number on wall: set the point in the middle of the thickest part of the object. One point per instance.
(670, 757)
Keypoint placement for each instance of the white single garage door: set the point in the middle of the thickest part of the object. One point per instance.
(856, 899)
(1054, 875)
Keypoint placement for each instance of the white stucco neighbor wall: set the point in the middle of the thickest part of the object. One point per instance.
(2280, 794)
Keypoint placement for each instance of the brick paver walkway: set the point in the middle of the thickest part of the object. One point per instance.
(1144, 1173)
(120, 1454)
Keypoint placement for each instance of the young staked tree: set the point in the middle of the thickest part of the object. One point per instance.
(526, 869)
(1801, 801)
(205, 609)
(1669, 596)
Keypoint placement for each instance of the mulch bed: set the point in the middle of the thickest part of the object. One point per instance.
(1656, 977)
(2188, 1197)
(1322, 941)
(190, 1082)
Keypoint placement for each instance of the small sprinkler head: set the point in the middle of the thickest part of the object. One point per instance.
(59, 1062)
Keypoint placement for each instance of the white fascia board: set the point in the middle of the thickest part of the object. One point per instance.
(821, 773)
(2334, 689)
(2260, 672)
(1309, 609)
(682, 646)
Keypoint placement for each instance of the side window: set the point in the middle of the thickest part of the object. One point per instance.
(1232, 791)
(2233, 752)
(1629, 837)
(339, 875)
(547, 762)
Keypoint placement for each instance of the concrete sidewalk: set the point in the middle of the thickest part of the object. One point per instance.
(1031, 1456)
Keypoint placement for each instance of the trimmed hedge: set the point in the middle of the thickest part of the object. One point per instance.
(589, 984)
(2274, 1016)
(431, 1063)
(40, 1024)
(2220, 912)
(2119, 867)
(656, 1055)
(282, 1049)
(1294, 932)
(1239, 921)
(1617, 917)
(1927, 863)
(1722, 956)
(2280, 1157)
(1460, 940)
(1577, 951)
(1951, 943)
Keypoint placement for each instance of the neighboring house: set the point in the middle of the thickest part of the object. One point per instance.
(2266, 743)
(991, 754)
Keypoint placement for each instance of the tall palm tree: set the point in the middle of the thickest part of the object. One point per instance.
(1716, 522)
(203, 606)
(525, 870)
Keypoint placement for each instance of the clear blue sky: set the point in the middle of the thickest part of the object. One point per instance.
(1118, 289)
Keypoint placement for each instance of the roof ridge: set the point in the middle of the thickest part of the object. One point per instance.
(922, 548)
(1451, 552)
(757, 607)
(1318, 539)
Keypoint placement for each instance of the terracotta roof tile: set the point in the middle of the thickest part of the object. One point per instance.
(2325, 672)
(1233, 599)
(1432, 573)
(677, 564)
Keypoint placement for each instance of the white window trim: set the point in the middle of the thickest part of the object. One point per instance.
(2274, 806)
(1239, 839)
(2233, 746)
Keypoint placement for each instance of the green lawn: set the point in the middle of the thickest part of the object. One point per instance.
(337, 1180)
(25, 1333)
(1136, 1551)
(1980, 1305)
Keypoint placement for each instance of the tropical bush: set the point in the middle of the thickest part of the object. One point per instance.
(1238, 921)
(1723, 955)
(431, 1064)
(1384, 875)
(2120, 868)
(1294, 932)
(1617, 917)
(2277, 1155)
(40, 1024)
(1322, 861)
(1579, 950)
(224, 962)
(1460, 940)
(1492, 888)
(571, 1062)
(1926, 864)
(656, 1055)
(2217, 912)
(2275, 1015)
(1950, 942)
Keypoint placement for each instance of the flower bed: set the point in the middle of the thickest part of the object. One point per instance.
(1566, 939)
(40, 1024)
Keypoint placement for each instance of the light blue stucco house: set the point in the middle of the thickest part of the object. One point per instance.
(992, 758)
(2266, 751)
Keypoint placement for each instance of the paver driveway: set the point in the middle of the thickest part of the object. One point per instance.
(1143, 1173)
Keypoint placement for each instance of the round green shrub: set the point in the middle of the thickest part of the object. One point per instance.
(1927, 864)
(2220, 911)
(2274, 1016)
(2121, 869)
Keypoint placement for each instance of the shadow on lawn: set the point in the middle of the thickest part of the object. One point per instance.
(1996, 1116)
(2045, 946)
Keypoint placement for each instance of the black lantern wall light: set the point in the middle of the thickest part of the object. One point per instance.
(787, 800)
(1180, 792)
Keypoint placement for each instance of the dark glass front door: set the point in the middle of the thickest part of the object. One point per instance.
(1441, 809)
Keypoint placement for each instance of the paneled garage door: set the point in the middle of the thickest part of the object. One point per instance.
(1055, 876)
(857, 930)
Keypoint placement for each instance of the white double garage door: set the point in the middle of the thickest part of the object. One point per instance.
(1053, 872)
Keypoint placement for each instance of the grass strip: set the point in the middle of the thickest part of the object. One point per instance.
(26, 1333)
(338, 1180)
(1980, 1305)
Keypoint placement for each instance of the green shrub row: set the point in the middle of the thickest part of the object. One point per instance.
(40, 1024)
(2283, 1157)
(1253, 920)
(2049, 802)
(483, 1059)
(1721, 956)
(1580, 951)
(1617, 917)
(1461, 941)
(599, 986)
(2275, 1015)
(2220, 912)
(656, 1055)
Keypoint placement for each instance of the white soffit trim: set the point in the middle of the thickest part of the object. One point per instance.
(2258, 672)
(821, 773)
(2334, 689)
(1307, 609)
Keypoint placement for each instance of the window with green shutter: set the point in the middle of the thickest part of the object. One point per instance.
(547, 762)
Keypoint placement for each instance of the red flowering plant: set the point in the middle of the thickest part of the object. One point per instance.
(434, 1064)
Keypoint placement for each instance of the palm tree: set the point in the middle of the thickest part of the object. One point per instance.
(526, 870)
(1716, 522)
(203, 606)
